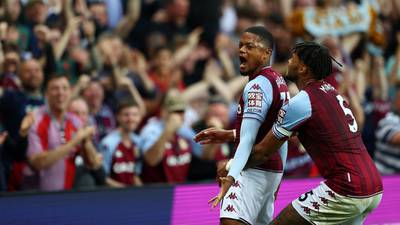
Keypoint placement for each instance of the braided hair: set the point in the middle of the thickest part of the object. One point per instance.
(316, 57)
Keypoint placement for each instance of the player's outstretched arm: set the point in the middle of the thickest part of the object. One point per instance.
(248, 133)
(261, 151)
(214, 135)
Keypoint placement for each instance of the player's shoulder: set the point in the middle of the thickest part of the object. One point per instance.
(259, 83)
(299, 101)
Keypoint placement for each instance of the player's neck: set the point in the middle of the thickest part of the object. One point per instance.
(303, 82)
(258, 70)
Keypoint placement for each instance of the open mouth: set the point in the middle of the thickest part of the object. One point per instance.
(243, 62)
(242, 59)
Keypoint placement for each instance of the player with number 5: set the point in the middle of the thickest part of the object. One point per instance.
(326, 127)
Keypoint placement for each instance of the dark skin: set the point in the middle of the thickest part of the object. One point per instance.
(254, 55)
(302, 75)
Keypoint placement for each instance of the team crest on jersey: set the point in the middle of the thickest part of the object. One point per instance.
(254, 99)
(281, 115)
(118, 154)
(239, 109)
(182, 144)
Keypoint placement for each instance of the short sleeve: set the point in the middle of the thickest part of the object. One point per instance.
(188, 133)
(106, 152)
(292, 115)
(34, 143)
(107, 147)
(150, 134)
(257, 98)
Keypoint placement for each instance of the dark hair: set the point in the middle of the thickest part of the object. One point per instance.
(316, 57)
(264, 35)
(125, 103)
(55, 77)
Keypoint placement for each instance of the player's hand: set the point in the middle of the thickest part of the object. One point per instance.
(214, 135)
(226, 183)
(221, 171)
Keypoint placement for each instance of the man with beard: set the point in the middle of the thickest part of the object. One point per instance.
(251, 198)
(326, 127)
(14, 105)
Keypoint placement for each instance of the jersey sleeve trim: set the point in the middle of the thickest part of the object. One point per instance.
(280, 132)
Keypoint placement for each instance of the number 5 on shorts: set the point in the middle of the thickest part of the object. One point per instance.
(304, 196)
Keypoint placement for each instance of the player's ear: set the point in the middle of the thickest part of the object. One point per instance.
(268, 51)
(267, 54)
(302, 68)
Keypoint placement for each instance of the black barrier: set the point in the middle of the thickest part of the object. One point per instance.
(149, 205)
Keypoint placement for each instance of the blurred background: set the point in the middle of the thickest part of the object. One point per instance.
(100, 101)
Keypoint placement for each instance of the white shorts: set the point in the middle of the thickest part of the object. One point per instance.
(251, 198)
(324, 206)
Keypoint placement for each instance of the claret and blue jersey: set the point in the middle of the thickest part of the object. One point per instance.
(328, 130)
(258, 107)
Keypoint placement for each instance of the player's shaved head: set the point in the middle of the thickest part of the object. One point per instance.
(265, 36)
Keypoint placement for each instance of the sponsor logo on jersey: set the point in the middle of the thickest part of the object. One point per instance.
(254, 100)
(255, 87)
(124, 167)
(179, 160)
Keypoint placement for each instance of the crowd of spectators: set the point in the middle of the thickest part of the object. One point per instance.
(100, 93)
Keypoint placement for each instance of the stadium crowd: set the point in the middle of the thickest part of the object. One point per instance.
(111, 92)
